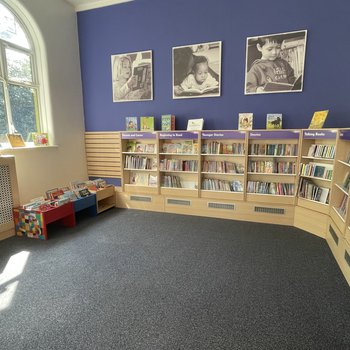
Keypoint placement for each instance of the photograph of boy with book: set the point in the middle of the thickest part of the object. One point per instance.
(132, 76)
(275, 63)
(197, 70)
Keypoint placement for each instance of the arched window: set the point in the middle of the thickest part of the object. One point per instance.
(19, 85)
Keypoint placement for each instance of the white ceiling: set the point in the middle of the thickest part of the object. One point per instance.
(82, 5)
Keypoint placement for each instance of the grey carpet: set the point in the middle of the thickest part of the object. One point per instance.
(130, 279)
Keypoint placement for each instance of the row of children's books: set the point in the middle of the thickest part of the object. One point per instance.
(322, 171)
(139, 162)
(308, 190)
(222, 167)
(137, 147)
(277, 188)
(245, 122)
(273, 149)
(222, 185)
(216, 147)
(147, 123)
(143, 179)
(183, 147)
(321, 151)
(178, 165)
(61, 195)
(271, 167)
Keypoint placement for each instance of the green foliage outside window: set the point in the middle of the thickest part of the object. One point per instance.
(18, 90)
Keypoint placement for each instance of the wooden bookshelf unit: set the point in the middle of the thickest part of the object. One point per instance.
(105, 199)
(286, 177)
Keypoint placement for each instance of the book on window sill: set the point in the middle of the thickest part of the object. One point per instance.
(15, 140)
(194, 92)
(40, 138)
(276, 86)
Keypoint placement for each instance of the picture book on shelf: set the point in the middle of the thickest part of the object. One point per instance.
(146, 123)
(40, 138)
(131, 124)
(168, 122)
(15, 140)
(152, 180)
(187, 147)
(318, 119)
(245, 121)
(131, 146)
(195, 124)
(141, 179)
(274, 121)
(346, 182)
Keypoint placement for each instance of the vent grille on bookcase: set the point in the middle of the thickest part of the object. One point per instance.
(225, 206)
(178, 201)
(279, 211)
(6, 201)
(333, 234)
(140, 198)
(347, 258)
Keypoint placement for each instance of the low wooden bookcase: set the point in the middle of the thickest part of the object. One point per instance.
(105, 199)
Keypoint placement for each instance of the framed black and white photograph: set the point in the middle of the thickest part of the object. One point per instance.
(132, 76)
(197, 70)
(275, 63)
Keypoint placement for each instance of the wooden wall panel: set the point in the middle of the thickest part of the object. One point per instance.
(103, 154)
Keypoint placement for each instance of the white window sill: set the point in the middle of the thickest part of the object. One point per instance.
(29, 146)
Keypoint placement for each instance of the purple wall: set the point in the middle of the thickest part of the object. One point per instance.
(159, 25)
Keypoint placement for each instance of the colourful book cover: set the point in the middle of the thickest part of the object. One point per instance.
(245, 121)
(131, 124)
(195, 124)
(168, 122)
(274, 121)
(318, 119)
(40, 138)
(146, 123)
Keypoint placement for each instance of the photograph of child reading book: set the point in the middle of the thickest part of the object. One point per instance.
(132, 76)
(196, 70)
(275, 63)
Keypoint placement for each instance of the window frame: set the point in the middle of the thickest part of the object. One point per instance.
(35, 44)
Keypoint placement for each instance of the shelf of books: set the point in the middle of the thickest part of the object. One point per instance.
(178, 163)
(272, 164)
(341, 184)
(223, 162)
(140, 159)
(316, 169)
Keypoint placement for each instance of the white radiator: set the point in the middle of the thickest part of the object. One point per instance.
(8, 195)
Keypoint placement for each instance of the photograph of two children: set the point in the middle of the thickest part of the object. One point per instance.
(274, 64)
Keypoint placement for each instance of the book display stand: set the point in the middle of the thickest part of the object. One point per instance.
(86, 203)
(33, 223)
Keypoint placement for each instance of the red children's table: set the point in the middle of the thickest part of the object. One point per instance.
(33, 223)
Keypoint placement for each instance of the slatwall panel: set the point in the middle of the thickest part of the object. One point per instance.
(103, 154)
